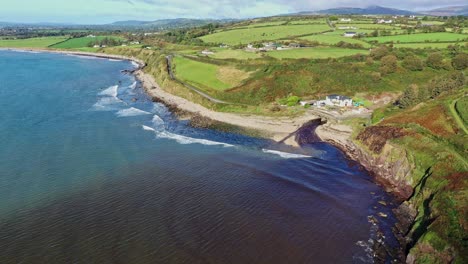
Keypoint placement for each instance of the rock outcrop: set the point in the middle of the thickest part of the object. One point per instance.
(389, 164)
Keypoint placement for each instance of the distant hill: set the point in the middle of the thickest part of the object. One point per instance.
(370, 10)
(448, 11)
(169, 23)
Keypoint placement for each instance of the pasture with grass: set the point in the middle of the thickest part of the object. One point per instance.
(43, 42)
(246, 36)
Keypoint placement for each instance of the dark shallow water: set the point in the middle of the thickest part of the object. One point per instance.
(87, 175)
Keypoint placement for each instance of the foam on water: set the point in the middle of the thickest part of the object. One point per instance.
(111, 91)
(114, 60)
(188, 140)
(161, 132)
(285, 154)
(136, 65)
(147, 128)
(132, 111)
(133, 85)
(107, 104)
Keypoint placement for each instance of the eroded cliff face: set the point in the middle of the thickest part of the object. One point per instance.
(389, 164)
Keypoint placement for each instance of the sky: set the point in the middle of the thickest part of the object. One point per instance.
(107, 11)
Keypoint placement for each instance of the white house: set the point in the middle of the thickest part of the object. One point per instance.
(345, 20)
(135, 43)
(338, 100)
(207, 52)
(383, 21)
(350, 34)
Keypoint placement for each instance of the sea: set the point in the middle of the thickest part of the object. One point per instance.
(93, 171)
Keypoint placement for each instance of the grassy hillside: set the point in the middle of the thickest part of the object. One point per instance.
(426, 37)
(78, 42)
(245, 36)
(207, 76)
(31, 42)
(315, 53)
(333, 39)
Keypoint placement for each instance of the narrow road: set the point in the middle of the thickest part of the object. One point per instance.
(171, 74)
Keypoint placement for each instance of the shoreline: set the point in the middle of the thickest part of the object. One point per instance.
(279, 129)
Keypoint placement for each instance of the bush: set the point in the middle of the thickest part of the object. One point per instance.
(389, 64)
(379, 52)
(460, 61)
(369, 61)
(435, 60)
(290, 101)
(376, 76)
(413, 63)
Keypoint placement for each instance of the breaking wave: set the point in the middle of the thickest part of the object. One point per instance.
(161, 132)
(285, 154)
(107, 104)
(131, 112)
(111, 91)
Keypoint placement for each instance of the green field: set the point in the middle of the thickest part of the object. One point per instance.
(78, 42)
(315, 53)
(31, 42)
(423, 37)
(261, 24)
(368, 26)
(334, 39)
(235, 54)
(202, 75)
(245, 36)
(443, 45)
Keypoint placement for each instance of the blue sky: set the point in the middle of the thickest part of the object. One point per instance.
(105, 11)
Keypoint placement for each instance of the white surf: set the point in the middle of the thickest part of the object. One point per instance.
(285, 155)
(132, 111)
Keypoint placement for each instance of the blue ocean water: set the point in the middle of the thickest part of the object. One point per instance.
(93, 171)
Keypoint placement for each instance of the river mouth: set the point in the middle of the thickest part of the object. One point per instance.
(93, 171)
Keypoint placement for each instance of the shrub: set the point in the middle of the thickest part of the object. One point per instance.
(435, 60)
(369, 61)
(376, 76)
(379, 52)
(413, 63)
(290, 101)
(389, 64)
(460, 61)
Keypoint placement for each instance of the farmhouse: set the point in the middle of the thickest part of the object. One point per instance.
(345, 20)
(338, 100)
(207, 52)
(350, 34)
(383, 21)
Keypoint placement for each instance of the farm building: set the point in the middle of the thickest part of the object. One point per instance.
(207, 52)
(338, 100)
(350, 34)
(345, 20)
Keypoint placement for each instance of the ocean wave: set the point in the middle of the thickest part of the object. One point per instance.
(188, 140)
(107, 104)
(131, 112)
(115, 60)
(184, 140)
(285, 154)
(136, 65)
(147, 128)
(111, 91)
(133, 85)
